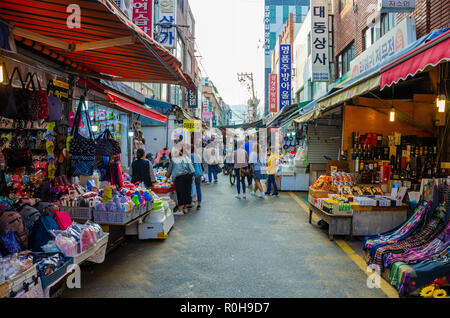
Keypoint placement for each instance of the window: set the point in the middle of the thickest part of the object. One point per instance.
(298, 14)
(388, 22)
(285, 14)
(273, 15)
(368, 37)
(344, 59)
(273, 40)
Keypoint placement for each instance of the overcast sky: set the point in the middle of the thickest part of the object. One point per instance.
(230, 35)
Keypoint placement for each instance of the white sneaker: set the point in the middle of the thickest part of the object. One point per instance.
(253, 193)
(244, 196)
(178, 213)
(238, 196)
(261, 195)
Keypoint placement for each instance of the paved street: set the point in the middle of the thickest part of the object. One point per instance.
(231, 248)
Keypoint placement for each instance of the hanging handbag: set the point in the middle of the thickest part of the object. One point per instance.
(12, 99)
(54, 104)
(18, 155)
(39, 107)
(82, 149)
(33, 100)
(106, 145)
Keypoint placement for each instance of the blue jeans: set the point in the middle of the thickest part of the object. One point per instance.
(198, 188)
(212, 169)
(238, 181)
(270, 183)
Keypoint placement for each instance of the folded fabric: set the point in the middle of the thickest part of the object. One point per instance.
(372, 243)
(428, 233)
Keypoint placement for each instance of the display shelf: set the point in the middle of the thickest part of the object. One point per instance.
(338, 224)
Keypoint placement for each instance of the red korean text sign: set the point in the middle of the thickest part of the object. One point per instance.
(273, 93)
(143, 15)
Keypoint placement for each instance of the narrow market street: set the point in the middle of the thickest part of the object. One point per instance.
(231, 248)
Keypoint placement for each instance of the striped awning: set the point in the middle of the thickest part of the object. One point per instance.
(107, 45)
(361, 87)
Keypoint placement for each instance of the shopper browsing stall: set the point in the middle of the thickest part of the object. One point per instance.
(182, 171)
(142, 170)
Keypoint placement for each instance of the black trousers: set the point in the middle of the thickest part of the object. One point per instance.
(183, 186)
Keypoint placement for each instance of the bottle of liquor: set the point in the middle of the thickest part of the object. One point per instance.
(354, 152)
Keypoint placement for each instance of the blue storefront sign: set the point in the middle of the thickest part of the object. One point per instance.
(285, 74)
(192, 98)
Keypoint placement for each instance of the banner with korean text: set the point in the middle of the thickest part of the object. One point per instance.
(285, 75)
(273, 93)
(143, 15)
(167, 14)
(319, 41)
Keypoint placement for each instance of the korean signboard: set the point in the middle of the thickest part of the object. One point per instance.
(192, 98)
(206, 115)
(267, 30)
(393, 41)
(273, 93)
(396, 5)
(285, 74)
(166, 22)
(143, 15)
(192, 125)
(319, 41)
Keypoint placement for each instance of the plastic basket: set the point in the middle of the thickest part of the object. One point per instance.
(16, 283)
(117, 218)
(78, 212)
(56, 276)
(93, 251)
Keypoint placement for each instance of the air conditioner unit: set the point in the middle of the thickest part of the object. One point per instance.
(126, 6)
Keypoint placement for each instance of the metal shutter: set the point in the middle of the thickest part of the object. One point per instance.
(323, 141)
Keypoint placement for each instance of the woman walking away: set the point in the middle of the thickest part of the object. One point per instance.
(182, 172)
(241, 170)
(259, 171)
(272, 167)
(142, 170)
(197, 162)
(213, 165)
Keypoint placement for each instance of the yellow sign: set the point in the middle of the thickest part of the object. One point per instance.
(192, 125)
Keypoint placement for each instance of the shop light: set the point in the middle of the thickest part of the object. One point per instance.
(131, 134)
(95, 128)
(392, 115)
(2, 73)
(441, 101)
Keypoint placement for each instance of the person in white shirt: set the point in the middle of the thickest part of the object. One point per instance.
(259, 172)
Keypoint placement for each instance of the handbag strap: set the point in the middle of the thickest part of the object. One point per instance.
(78, 117)
(16, 69)
(29, 80)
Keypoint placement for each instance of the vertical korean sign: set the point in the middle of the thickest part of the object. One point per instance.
(267, 30)
(143, 15)
(166, 23)
(319, 41)
(273, 93)
(285, 74)
(192, 98)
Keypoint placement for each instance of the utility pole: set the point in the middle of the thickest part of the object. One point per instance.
(246, 79)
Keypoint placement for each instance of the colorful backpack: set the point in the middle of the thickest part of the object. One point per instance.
(40, 234)
(29, 215)
(12, 221)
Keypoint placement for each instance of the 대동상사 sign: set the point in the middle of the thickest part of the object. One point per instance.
(285, 74)
(143, 15)
(320, 66)
(167, 14)
(192, 125)
(273, 93)
(396, 5)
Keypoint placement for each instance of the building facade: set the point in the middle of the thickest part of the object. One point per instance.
(275, 17)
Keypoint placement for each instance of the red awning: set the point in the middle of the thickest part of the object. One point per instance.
(134, 107)
(428, 54)
(107, 45)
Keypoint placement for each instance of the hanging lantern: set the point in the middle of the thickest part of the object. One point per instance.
(392, 115)
(441, 101)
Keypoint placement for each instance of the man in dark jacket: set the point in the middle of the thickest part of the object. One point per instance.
(142, 170)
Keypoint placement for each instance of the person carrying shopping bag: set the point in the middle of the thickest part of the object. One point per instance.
(272, 166)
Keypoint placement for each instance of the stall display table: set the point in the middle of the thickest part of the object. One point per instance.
(373, 220)
(338, 224)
